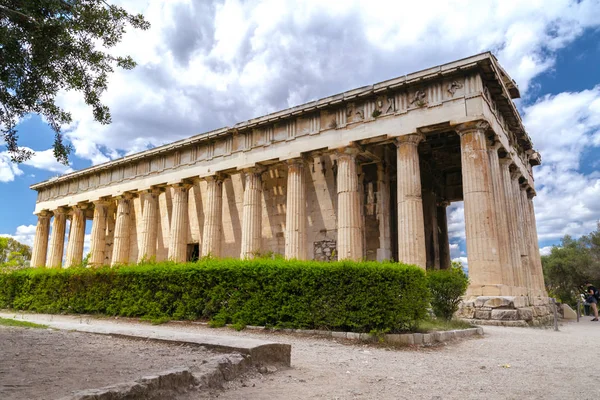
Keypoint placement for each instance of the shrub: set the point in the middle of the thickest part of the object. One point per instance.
(446, 286)
(347, 296)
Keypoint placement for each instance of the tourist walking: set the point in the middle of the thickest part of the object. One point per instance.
(592, 299)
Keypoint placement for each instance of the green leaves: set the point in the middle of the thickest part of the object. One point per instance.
(345, 296)
(52, 45)
(446, 287)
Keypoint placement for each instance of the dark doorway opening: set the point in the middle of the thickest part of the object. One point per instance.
(193, 251)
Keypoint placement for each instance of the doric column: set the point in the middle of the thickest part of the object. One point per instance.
(295, 217)
(98, 236)
(512, 218)
(535, 254)
(76, 237)
(121, 236)
(252, 213)
(529, 240)
(179, 223)
(110, 232)
(523, 247)
(443, 240)
(384, 252)
(213, 217)
(350, 240)
(149, 225)
(500, 214)
(40, 243)
(57, 240)
(485, 271)
(411, 226)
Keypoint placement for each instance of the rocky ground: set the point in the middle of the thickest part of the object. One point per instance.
(49, 364)
(507, 363)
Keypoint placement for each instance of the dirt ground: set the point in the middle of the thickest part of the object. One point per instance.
(507, 363)
(49, 364)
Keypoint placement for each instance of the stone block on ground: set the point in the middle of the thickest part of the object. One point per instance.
(568, 312)
(526, 313)
(505, 315)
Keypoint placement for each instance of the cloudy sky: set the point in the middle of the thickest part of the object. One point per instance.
(204, 65)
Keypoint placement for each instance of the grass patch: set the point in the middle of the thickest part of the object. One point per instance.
(442, 325)
(23, 324)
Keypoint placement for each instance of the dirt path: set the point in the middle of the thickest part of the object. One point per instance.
(49, 364)
(508, 363)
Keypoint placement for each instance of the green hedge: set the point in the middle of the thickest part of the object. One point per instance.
(358, 297)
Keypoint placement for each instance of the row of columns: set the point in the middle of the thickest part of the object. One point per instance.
(499, 218)
(502, 244)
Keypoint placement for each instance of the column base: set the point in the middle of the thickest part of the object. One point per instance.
(489, 290)
(506, 310)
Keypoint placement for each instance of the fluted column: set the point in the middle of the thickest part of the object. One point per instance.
(179, 223)
(485, 271)
(535, 255)
(40, 243)
(411, 226)
(213, 217)
(98, 236)
(512, 218)
(110, 232)
(384, 252)
(295, 217)
(523, 247)
(500, 214)
(350, 240)
(252, 213)
(57, 240)
(76, 237)
(122, 226)
(444, 242)
(149, 225)
(529, 240)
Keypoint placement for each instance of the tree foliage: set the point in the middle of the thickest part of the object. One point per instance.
(52, 45)
(447, 286)
(571, 265)
(13, 255)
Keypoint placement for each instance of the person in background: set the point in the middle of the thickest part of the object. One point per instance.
(592, 298)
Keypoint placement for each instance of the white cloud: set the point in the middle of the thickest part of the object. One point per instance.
(45, 160)
(8, 169)
(563, 127)
(204, 65)
(544, 251)
(25, 234)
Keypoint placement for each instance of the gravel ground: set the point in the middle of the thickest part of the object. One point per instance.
(49, 364)
(507, 363)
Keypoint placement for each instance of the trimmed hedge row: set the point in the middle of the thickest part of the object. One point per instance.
(347, 296)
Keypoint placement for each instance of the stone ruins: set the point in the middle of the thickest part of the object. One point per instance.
(365, 174)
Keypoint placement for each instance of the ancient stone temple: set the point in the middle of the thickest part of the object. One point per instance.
(364, 174)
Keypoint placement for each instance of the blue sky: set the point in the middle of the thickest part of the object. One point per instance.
(206, 64)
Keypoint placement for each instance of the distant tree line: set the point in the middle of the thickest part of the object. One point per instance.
(13, 255)
(571, 265)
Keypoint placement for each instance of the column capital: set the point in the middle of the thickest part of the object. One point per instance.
(301, 161)
(347, 151)
(467, 127)
(60, 210)
(218, 177)
(412, 138)
(125, 196)
(184, 184)
(101, 202)
(506, 161)
(257, 169)
(443, 203)
(44, 214)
